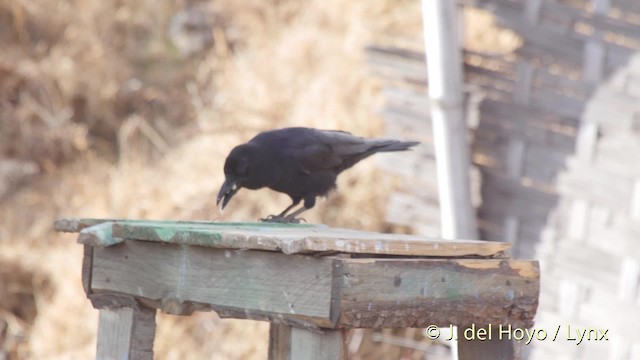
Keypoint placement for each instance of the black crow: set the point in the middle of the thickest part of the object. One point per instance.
(300, 162)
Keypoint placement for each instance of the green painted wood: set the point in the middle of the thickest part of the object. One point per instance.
(230, 235)
(171, 277)
(75, 225)
(317, 292)
(286, 238)
(98, 235)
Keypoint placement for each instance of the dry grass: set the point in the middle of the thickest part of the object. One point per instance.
(119, 124)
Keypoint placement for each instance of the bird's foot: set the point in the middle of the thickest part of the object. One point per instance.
(282, 219)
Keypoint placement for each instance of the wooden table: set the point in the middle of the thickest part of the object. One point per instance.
(310, 281)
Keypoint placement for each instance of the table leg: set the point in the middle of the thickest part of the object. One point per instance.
(126, 333)
(292, 343)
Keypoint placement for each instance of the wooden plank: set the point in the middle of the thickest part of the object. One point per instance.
(171, 277)
(294, 240)
(382, 293)
(75, 225)
(315, 292)
(515, 196)
(98, 235)
(503, 112)
(288, 239)
(87, 268)
(402, 245)
(126, 333)
(279, 342)
(317, 345)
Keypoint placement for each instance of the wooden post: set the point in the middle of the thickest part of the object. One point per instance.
(293, 343)
(279, 341)
(126, 333)
(444, 66)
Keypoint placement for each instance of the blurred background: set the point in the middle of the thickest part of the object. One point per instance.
(127, 109)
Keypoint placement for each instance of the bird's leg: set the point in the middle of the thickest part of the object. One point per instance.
(282, 216)
(287, 219)
(285, 211)
(309, 202)
(292, 217)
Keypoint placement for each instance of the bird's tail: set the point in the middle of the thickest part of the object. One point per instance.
(394, 145)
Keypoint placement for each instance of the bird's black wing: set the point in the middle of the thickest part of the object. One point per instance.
(325, 149)
(305, 146)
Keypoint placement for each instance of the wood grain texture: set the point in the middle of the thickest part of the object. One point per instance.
(98, 235)
(279, 342)
(382, 293)
(287, 238)
(317, 345)
(126, 333)
(292, 343)
(87, 268)
(173, 276)
(315, 292)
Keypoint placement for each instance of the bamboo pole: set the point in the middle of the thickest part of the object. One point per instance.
(444, 66)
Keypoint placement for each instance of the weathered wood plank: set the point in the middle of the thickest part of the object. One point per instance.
(279, 342)
(317, 345)
(378, 293)
(312, 292)
(75, 225)
(87, 268)
(289, 239)
(386, 244)
(169, 276)
(126, 333)
(98, 235)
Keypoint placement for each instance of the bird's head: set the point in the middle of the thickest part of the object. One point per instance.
(236, 172)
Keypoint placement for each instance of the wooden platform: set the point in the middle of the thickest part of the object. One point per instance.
(312, 277)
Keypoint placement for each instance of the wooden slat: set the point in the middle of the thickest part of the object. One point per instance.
(313, 292)
(292, 239)
(76, 225)
(98, 235)
(406, 293)
(261, 282)
(279, 342)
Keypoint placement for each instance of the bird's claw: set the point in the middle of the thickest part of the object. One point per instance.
(282, 219)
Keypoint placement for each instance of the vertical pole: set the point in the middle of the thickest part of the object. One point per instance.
(279, 342)
(126, 333)
(292, 343)
(444, 66)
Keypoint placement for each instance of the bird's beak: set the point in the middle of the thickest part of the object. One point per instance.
(228, 189)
